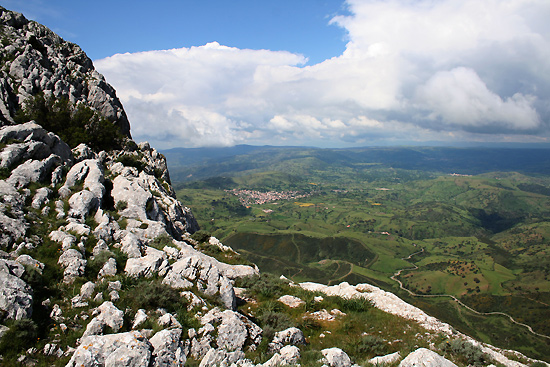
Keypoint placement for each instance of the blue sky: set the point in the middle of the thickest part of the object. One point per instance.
(316, 72)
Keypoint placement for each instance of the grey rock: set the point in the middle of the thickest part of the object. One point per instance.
(33, 171)
(107, 315)
(292, 336)
(82, 203)
(87, 290)
(57, 313)
(335, 357)
(206, 276)
(41, 197)
(124, 349)
(131, 245)
(12, 223)
(166, 344)
(82, 152)
(139, 318)
(145, 266)
(44, 62)
(74, 264)
(108, 269)
(29, 261)
(15, 296)
(423, 357)
(220, 357)
(387, 359)
(234, 330)
(100, 247)
(288, 355)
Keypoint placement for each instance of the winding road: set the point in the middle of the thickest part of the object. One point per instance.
(397, 273)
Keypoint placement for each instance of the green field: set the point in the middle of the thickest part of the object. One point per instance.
(484, 237)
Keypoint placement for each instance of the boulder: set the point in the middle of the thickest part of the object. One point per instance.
(139, 318)
(335, 357)
(291, 301)
(234, 330)
(288, 355)
(108, 269)
(423, 357)
(15, 296)
(145, 266)
(220, 357)
(168, 350)
(74, 264)
(124, 349)
(107, 315)
(292, 336)
(387, 359)
(206, 276)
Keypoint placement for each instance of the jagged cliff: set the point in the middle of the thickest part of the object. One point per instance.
(100, 266)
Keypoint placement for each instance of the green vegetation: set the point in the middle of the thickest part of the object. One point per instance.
(74, 124)
(484, 238)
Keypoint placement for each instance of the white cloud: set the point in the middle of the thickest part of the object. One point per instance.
(412, 70)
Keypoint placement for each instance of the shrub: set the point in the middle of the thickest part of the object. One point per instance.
(74, 124)
(370, 345)
(161, 241)
(21, 335)
(466, 351)
(131, 161)
(201, 236)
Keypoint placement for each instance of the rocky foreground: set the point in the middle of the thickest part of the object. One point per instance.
(100, 265)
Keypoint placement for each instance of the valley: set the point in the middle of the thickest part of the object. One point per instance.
(481, 237)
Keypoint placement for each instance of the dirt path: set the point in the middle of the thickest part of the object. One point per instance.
(397, 273)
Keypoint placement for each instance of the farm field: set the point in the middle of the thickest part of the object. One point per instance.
(481, 238)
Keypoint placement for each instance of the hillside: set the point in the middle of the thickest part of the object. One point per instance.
(483, 237)
(101, 265)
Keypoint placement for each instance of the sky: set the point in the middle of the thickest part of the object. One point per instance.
(326, 73)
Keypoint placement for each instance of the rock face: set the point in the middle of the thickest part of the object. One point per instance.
(37, 60)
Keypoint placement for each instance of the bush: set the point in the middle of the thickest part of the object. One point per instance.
(466, 351)
(74, 124)
(21, 335)
(131, 161)
(370, 345)
(152, 295)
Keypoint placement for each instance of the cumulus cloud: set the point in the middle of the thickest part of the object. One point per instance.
(411, 71)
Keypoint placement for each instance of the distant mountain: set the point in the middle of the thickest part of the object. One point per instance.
(188, 164)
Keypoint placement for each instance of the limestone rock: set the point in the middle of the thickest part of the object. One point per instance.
(29, 261)
(107, 315)
(291, 301)
(145, 266)
(387, 359)
(108, 269)
(220, 357)
(139, 318)
(292, 336)
(206, 276)
(288, 355)
(335, 357)
(167, 348)
(234, 330)
(41, 197)
(15, 295)
(423, 357)
(74, 264)
(124, 349)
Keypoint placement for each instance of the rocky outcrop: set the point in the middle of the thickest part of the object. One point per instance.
(36, 60)
(125, 349)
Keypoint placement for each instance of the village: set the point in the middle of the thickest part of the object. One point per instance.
(249, 197)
